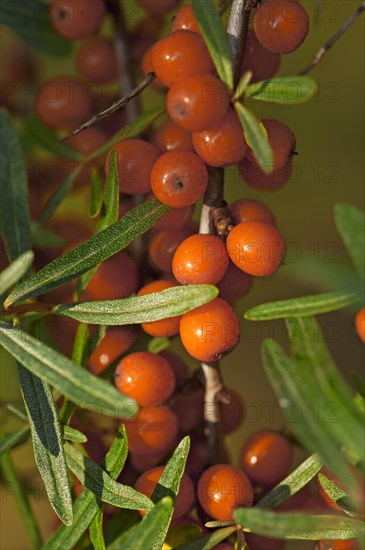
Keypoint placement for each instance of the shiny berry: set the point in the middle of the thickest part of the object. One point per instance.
(180, 368)
(266, 457)
(77, 19)
(211, 331)
(180, 55)
(223, 488)
(116, 341)
(198, 102)
(116, 278)
(158, 7)
(171, 137)
(163, 245)
(152, 431)
(147, 67)
(256, 248)
(235, 284)
(200, 259)
(185, 20)
(165, 328)
(360, 324)
(179, 178)
(262, 62)
(222, 145)
(250, 210)
(258, 179)
(96, 59)
(282, 143)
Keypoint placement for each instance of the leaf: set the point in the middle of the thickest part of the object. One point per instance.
(242, 85)
(47, 442)
(43, 237)
(57, 197)
(99, 482)
(90, 253)
(293, 483)
(181, 534)
(287, 90)
(215, 37)
(31, 22)
(338, 495)
(13, 439)
(67, 377)
(255, 136)
(209, 541)
(155, 345)
(15, 271)
(15, 220)
(143, 538)
(298, 526)
(119, 528)
(350, 224)
(96, 198)
(301, 307)
(48, 139)
(96, 531)
(70, 434)
(140, 309)
(219, 523)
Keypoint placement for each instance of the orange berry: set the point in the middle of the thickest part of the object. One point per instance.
(170, 137)
(349, 544)
(235, 284)
(88, 141)
(200, 259)
(180, 55)
(222, 145)
(96, 59)
(258, 179)
(179, 178)
(198, 102)
(180, 369)
(116, 278)
(175, 219)
(147, 67)
(360, 324)
(262, 62)
(189, 409)
(165, 328)
(152, 431)
(115, 342)
(223, 488)
(282, 143)
(250, 210)
(76, 19)
(162, 247)
(185, 20)
(211, 331)
(256, 248)
(158, 7)
(143, 463)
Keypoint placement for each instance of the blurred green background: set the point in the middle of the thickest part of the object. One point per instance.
(330, 169)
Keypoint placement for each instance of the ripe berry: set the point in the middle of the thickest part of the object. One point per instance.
(88, 141)
(232, 413)
(200, 259)
(189, 409)
(258, 179)
(135, 161)
(162, 247)
(360, 324)
(175, 219)
(116, 278)
(180, 55)
(96, 59)
(259, 60)
(282, 143)
(256, 248)
(77, 19)
(158, 7)
(165, 328)
(143, 36)
(147, 67)
(63, 103)
(349, 544)
(235, 284)
(152, 431)
(250, 210)
(211, 331)
(222, 145)
(180, 369)
(145, 377)
(185, 20)
(147, 482)
(198, 458)
(266, 457)
(198, 102)
(222, 489)
(115, 342)
(179, 178)
(170, 137)
(142, 463)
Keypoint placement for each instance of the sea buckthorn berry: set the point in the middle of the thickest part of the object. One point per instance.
(143, 36)
(147, 67)
(266, 457)
(189, 409)
(349, 544)
(165, 328)
(281, 25)
(200, 259)
(77, 19)
(147, 482)
(145, 377)
(170, 137)
(256, 248)
(185, 20)
(282, 143)
(262, 62)
(175, 219)
(116, 341)
(258, 542)
(135, 161)
(180, 369)
(223, 488)
(211, 331)
(235, 284)
(142, 463)
(250, 210)
(198, 458)
(162, 247)
(255, 177)
(116, 278)
(179, 178)
(180, 55)
(88, 141)
(222, 145)
(63, 103)
(96, 59)
(197, 102)
(360, 324)
(232, 412)
(158, 7)
(152, 431)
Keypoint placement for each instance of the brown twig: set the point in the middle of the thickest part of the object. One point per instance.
(22, 309)
(328, 45)
(237, 32)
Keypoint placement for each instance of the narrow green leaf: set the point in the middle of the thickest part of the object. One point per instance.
(43, 237)
(242, 85)
(119, 528)
(96, 531)
(287, 90)
(219, 523)
(181, 534)
(57, 197)
(90, 253)
(13, 439)
(215, 37)
(255, 136)
(111, 193)
(49, 140)
(143, 538)
(70, 434)
(338, 495)
(14, 220)
(209, 541)
(99, 482)
(15, 271)
(155, 345)
(96, 194)
(47, 442)
(140, 309)
(67, 377)
(358, 382)
(350, 223)
(301, 307)
(298, 526)
(292, 483)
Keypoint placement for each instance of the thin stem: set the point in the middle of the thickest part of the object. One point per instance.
(237, 33)
(328, 45)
